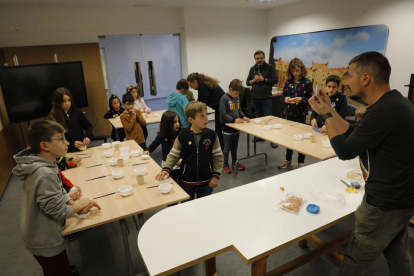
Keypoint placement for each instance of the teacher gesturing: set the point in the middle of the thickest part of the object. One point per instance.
(210, 93)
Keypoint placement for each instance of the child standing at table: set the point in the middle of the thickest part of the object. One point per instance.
(170, 127)
(133, 121)
(297, 91)
(230, 112)
(177, 102)
(338, 101)
(115, 110)
(45, 204)
(139, 104)
(199, 148)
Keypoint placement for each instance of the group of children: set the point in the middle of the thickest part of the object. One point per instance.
(191, 155)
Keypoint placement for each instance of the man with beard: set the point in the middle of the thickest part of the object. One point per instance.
(262, 76)
(386, 134)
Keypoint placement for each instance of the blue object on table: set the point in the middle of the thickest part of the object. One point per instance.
(316, 129)
(356, 185)
(313, 209)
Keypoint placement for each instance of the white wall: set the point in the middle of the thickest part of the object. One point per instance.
(318, 15)
(45, 26)
(221, 42)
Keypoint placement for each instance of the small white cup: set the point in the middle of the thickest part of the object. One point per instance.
(298, 137)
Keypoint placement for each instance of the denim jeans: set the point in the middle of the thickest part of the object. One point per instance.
(263, 107)
(201, 191)
(231, 143)
(289, 153)
(378, 232)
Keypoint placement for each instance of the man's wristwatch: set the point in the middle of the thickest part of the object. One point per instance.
(326, 116)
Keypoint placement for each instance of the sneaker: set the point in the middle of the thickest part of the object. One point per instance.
(227, 169)
(301, 165)
(71, 237)
(285, 164)
(239, 166)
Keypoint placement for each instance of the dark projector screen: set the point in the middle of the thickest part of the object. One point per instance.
(27, 90)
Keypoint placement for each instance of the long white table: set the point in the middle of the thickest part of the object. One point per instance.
(245, 219)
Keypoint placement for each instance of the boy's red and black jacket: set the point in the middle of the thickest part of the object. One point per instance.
(197, 167)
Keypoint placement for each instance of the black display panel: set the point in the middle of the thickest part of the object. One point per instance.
(27, 90)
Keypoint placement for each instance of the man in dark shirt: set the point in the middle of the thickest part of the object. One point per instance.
(386, 134)
(262, 76)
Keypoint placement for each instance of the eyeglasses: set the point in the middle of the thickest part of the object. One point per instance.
(63, 139)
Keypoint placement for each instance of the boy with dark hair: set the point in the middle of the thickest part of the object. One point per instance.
(177, 102)
(183, 87)
(45, 203)
(133, 121)
(338, 101)
(230, 112)
(199, 148)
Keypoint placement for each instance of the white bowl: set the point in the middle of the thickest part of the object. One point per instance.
(277, 126)
(125, 149)
(298, 137)
(135, 152)
(109, 153)
(116, 142)
(125, 190)
(268, 127)
(165, 188)
(126, 159)
(113, 162)
(118, 174)
(257, 121)
(124, 153)
(140, 171)
(326, 144)
(106, 145)
(307, 135)
(145, 157)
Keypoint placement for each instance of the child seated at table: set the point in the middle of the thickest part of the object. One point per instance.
(133, 121)
(230, 112)
(199, 148)
(45, 204)
(359, 113)
(297, 91)
(177, 102)
(115, 110)
(338, 101)
(170, 127)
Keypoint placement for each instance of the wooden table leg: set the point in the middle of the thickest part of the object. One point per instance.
(211, 267)
(259, 267)
(303, 243)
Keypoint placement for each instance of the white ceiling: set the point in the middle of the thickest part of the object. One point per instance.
(147, 3)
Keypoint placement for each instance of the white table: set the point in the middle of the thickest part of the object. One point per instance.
(245, 219)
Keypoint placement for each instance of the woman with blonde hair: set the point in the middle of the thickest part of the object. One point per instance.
(210, 93)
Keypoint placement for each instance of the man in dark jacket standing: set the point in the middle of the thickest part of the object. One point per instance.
(262, 76)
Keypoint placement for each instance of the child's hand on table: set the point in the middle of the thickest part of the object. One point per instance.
(314, 123)
(86, 141)
(322, 130)
(246, 119)
(76, 160)
(148, 111)
(116, 115)
(75, 195)
(90, 205)
(161, 175)
(239, 121)
(146, 153)
(213, 183)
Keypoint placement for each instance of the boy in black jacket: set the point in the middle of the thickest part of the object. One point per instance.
(199, 148)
